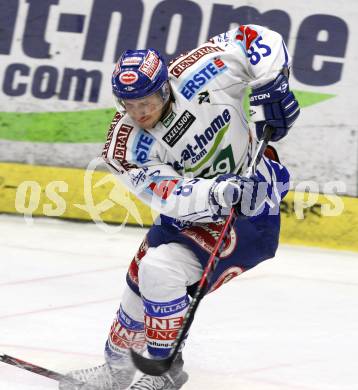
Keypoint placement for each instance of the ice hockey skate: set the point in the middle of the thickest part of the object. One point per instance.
(103, 377)
(172, 380)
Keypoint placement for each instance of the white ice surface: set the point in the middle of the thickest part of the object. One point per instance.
(289, 324)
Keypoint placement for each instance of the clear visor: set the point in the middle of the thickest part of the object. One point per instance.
(145, 107)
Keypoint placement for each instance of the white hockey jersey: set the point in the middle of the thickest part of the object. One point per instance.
(173, 166)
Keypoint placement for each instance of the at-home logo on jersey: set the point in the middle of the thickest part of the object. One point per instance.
(223, 163)
(196, 81)
(198, 150)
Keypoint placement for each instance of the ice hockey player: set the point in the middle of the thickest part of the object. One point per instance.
(180, 142)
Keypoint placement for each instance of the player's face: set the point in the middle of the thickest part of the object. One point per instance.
(146, 111)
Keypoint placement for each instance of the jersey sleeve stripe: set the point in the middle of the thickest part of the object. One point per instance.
(108, 145)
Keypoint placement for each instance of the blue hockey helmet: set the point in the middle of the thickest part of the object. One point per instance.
(139, 73)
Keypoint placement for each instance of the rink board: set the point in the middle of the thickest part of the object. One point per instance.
(55, 84)
(307, 219)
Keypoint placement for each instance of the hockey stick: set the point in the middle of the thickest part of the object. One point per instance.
(40, 370)
(160, 366)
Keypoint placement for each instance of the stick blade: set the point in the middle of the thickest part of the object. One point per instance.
(155, 367)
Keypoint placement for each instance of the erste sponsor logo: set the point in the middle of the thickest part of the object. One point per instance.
(203, 76)
(142, 146)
